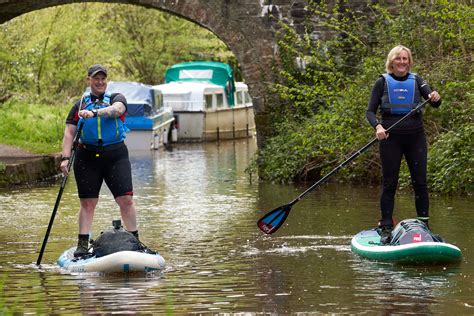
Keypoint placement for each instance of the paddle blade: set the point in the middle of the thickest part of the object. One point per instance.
(274, 219)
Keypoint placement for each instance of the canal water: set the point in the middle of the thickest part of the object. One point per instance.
(198, 208)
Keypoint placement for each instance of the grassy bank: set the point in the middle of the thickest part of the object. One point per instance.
(31, 126)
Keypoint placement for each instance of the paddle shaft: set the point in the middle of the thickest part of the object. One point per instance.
(60, 193)
(356, 154)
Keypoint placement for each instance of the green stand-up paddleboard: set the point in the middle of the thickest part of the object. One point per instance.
(412, 242)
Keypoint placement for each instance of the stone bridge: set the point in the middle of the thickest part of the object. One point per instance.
(246, 26)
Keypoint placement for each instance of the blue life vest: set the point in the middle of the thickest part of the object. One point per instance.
(400, 97)
(101, 131)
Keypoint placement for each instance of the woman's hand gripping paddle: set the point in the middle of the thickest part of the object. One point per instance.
(274, 219)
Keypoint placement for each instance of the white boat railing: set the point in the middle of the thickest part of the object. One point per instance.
(197, 106)
(189, 106)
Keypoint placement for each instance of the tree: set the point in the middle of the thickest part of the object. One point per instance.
(150, 41)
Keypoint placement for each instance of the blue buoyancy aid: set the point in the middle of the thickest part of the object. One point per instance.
(101, 131)
(400, 97)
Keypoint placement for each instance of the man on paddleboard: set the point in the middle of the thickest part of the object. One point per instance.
(101, 154)
(395, 94)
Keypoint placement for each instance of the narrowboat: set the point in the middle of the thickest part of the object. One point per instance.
(207, 103)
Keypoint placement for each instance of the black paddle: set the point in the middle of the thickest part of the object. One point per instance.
(275, 218)
(63, 184)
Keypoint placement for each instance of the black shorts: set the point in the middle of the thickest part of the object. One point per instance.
(92, 167)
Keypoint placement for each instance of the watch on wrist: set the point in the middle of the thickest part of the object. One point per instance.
(65, 158)
(95, 112)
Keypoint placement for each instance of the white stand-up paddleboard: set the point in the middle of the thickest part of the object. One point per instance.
(122, 261)
(115, 250)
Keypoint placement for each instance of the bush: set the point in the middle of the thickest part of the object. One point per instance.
(451, 167)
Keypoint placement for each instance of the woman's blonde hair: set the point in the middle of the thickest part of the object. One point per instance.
(394, 53)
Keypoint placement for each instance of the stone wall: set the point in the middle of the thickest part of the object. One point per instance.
(27, 170)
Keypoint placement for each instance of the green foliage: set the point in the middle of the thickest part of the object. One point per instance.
(135, 43)
(451, 167)
(150, 41)
(50, 62)
(325, 85)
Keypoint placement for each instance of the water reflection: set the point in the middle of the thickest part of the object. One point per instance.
(198, 208)
(398, 289)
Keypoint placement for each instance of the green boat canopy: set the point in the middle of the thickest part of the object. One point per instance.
(204, 71)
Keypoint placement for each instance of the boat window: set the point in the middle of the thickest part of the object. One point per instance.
(208, 101)
(146, 109)
(196, 74)
(248, 99)
(240, 97)
(219, 100)
(158, 100)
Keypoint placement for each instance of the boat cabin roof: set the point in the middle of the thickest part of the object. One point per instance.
(142, 99)
(200, 71)
(134, 92)
(210, 72)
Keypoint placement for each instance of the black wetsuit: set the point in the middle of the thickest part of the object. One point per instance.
(408, 140)
(96, 164)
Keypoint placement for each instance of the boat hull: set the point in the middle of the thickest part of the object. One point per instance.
(149, 132)
(224, 124)
(122, 261)
(367, 244)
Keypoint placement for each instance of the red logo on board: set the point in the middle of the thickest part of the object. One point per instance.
(416, 237)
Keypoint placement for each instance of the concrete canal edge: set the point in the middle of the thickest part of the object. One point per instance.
(22, 168)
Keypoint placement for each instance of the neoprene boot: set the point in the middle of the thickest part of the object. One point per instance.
(142, 248)
(135, 233)
(425, 220)
(435, 236)
(385, 235)
(82, 246)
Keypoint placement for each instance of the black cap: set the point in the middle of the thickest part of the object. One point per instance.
(95, 69)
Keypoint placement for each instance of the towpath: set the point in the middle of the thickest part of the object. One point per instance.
(11, 154)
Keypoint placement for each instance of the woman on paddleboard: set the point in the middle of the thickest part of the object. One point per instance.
(395, 94)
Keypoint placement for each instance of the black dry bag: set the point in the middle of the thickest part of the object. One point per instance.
(113, 240)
